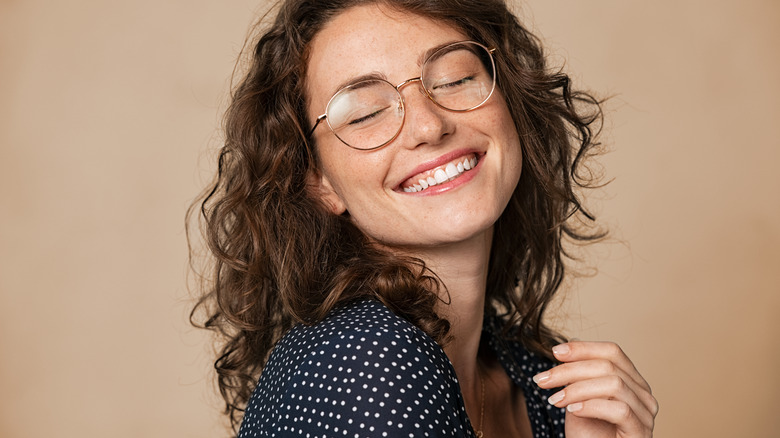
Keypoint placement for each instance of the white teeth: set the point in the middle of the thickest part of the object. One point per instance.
(449, 172)
(440, 176)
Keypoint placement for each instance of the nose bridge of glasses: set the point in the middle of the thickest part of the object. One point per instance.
(423, 91)
(409, 81)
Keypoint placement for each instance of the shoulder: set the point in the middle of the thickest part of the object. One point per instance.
(363, 371)
(365, 333)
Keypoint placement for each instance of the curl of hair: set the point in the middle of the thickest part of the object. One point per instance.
(280, 258)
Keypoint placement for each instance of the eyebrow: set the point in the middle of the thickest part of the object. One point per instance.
(377, 75)
(354, 80)
(428, 53)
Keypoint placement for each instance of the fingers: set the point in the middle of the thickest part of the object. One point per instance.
(601, 383)
(579, 351)
(614, 412)
(570, 373)
(606, 388)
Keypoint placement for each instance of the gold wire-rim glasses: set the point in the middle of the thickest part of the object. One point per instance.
(428, 93)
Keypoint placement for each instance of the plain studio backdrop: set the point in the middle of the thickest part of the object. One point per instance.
(109, 125)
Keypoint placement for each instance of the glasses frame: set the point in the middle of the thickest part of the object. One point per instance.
(490, 51)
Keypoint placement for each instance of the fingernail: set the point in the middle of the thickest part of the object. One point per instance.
(561, 349)
(555, 398)
(574, 407)
(541, 377)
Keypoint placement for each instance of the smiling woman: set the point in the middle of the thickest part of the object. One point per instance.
(387, 230)
(434, 138)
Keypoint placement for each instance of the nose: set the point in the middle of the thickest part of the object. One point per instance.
(425, 122)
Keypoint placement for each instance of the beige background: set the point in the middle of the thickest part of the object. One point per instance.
(109, 117)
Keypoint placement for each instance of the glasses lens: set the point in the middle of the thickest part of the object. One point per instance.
(367, 114)
(460, 77)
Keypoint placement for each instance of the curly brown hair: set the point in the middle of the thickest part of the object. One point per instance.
(280, 258)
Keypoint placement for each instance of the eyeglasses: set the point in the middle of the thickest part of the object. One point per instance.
(369, 114)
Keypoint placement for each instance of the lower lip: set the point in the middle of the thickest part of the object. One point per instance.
(462, 179)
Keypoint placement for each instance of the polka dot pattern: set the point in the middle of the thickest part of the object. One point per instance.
(365, 372)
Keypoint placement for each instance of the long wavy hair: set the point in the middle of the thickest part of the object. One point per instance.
(280, 258)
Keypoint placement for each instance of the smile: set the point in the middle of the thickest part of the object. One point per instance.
(439, 175)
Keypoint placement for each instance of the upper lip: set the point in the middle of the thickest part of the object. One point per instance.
(439, 161)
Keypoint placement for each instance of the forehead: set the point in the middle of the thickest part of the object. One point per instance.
(371, 39)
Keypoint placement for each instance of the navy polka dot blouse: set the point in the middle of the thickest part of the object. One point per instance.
(366, 372)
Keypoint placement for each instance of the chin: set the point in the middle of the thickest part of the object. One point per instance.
(443, 235)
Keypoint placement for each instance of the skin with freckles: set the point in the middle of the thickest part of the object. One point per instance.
(367, 184)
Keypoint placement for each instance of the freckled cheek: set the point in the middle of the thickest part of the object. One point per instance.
(356, 180)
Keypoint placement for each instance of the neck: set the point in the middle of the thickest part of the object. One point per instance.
(463, 268)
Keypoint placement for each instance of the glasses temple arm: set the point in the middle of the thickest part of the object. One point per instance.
(316, 123)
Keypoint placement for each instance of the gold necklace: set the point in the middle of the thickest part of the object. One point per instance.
(482, 408)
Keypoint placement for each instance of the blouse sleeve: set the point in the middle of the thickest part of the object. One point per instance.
(371, 380)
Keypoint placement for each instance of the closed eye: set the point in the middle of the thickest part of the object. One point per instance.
(454, 84)
(367, 117)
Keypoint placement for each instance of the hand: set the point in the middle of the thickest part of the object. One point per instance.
(604, 394)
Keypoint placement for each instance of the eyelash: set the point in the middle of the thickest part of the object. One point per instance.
(367, 117)
(455, 83)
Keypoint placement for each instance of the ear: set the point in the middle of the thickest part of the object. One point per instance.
(320, 188)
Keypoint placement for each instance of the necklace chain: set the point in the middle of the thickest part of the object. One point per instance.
(482, 405)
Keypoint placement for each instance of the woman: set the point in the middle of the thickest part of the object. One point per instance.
(385, 247)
